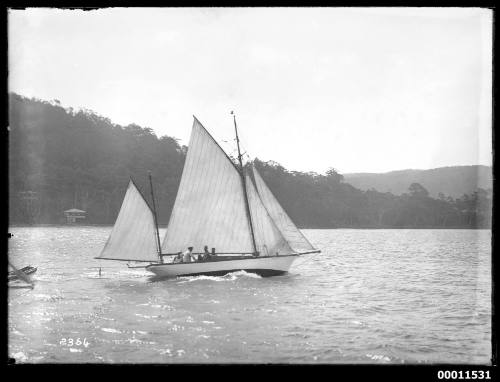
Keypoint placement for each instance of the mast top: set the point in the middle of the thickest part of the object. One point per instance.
(237, 142)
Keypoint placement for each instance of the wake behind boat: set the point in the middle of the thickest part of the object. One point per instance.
(220, 205)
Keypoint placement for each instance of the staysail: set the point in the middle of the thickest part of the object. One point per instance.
(268, 238)
(210, 207)
(134, 234)
(291, 233)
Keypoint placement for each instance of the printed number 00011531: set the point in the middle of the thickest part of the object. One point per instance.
(467, 374)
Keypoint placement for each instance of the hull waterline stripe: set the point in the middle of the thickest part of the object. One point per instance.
(260, 272)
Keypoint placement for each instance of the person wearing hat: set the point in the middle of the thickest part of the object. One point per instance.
(187, 256)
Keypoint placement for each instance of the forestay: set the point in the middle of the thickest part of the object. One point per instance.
(291, 233)
(133, 235)
(209, 208)
(268, 238)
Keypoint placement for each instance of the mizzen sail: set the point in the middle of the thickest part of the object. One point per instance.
(134, 234)
(268, 238)
(291, 233)
(209, 207)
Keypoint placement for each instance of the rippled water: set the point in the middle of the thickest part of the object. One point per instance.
(372, 296)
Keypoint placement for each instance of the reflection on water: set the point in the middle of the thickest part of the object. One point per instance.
(371, 296)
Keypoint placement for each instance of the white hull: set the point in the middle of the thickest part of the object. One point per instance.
(265, 266)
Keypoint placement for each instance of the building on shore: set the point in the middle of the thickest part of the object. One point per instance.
(74, 215)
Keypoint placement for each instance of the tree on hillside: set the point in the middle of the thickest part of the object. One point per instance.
(333, 175)
(417, 190)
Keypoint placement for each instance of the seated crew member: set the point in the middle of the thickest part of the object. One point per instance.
(187, 256)
(178, 258)
(206, 255)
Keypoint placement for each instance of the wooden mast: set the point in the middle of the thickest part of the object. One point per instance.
(243, 182)
(156, 220)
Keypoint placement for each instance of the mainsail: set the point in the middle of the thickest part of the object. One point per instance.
(133, 235)
(210, 207)
(291, 233)
(268, 238)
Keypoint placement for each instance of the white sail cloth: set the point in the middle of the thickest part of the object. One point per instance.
(268, 238)
(288, 229)
(210, 207)
(134, 234)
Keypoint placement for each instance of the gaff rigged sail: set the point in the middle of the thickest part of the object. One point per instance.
(210, 207)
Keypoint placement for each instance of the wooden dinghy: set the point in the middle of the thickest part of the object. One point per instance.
(28, 270)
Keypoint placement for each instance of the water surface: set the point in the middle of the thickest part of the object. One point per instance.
(371, 296)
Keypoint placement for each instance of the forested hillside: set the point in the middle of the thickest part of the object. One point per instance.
(453, 181)
(64, 158)
(78, 159)
(315, 200)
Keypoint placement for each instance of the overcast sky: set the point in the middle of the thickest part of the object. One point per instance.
(360, 90)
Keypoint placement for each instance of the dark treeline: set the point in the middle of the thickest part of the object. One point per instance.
(61, 159)
(64, 158)
(325, 201)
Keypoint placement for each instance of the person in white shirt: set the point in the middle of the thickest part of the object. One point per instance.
(187, 256)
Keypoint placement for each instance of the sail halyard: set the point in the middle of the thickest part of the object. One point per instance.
(245, 190)
(210, 204)
(158, 243)
(133, 235)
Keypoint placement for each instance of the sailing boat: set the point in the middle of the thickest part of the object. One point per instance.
(219, 204)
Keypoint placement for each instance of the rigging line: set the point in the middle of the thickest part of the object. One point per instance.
(224, 200)
(213, 186)
(213, 208)
(277, 234)
(140, 192)
(186, 172)
(238, 203)
(309, 258)
(184, 188)
(227, 178)
(216, 143)
(224, 182)
(284, 217)
(223, 218)
(243, 183)
(57, 268)
(196, 183)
